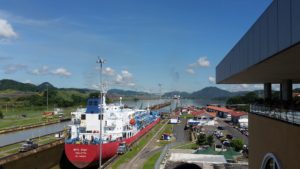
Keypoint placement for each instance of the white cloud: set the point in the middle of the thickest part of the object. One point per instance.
(12, 68)
(190, 71)
(193, 65)
(258, 86)
(6, 30)
(40, 71)
(242, 87)
(126, 74)
(125, 78)
(119, 79)
(61, 72)
(108, 71)
(276, 87)
(28, 21)
(203, 62)
(245, 86)
(28, 81)
(212, 79)
(131, 84)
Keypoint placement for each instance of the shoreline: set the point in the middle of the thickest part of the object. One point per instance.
(9, 130)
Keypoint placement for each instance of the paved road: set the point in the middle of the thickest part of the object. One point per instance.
(149, 149)
(180, 134)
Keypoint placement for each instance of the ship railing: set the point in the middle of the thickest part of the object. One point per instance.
(283, 114)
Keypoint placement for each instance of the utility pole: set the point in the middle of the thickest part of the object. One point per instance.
(160, 91)
(47, 97)
(100, 62)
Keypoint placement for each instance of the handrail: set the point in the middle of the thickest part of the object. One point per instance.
(162, 156)
(287, 115)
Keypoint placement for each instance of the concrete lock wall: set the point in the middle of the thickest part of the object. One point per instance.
(267, 135)
(275, 30)
(44, 159)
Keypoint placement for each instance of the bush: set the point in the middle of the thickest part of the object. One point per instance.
(237, 144)
(1, 115)
(201, 139)
(210, 140)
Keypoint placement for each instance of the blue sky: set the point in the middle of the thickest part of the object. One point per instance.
(175, 43)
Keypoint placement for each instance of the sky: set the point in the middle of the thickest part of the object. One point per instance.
(148, 46)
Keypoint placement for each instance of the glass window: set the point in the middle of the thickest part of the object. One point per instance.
(270, 162)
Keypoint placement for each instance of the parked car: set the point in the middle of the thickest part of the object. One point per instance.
(218, 146)
(220, 128)
(226, 143)
(28, 145)
(229, 136)
(219, 135)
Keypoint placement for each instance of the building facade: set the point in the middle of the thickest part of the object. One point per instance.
(269, 53)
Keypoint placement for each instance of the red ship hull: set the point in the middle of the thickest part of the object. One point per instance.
(85, 155)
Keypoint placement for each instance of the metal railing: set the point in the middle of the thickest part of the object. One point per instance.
(286, 115)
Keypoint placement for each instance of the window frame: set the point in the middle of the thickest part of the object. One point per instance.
(269, 156)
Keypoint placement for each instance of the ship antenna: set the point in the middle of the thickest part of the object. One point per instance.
(101, 62)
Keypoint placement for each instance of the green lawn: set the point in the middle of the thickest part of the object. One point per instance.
(13, 118)
(229, 154)
(187, 116)
(137, 147)
(150, 163)
(189, 145)
(168, 129)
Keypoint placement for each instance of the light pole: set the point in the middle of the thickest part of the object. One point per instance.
(100, 62)
(160, 91)
(47, 96)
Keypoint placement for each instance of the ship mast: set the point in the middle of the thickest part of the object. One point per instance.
(102, 99)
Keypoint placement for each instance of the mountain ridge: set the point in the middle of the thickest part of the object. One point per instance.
(205, 93)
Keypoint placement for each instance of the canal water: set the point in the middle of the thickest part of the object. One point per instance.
(22, 135)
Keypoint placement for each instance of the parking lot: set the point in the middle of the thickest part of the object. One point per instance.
(235, 133)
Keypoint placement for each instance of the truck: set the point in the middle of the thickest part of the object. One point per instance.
(122, 149)
(28, 145)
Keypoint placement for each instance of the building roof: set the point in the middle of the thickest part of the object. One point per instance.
(203, 158)
(221, 109)
(229, 111)
(238, 113)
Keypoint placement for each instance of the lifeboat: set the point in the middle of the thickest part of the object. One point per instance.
(132, 122)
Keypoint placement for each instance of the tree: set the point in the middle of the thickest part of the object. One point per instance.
(210, 140)
(237, 144)
(94, 95)
(1, 115)
(201, 139)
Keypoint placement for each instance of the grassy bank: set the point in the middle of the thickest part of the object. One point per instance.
(25, 116)
(168, 129)
(189, 145)
(137, 147)
(150, 163)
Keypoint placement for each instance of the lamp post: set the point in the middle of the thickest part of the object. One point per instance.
(100, 62)
(47, 96)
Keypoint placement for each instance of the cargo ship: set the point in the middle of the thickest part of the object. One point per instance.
(120, 125)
